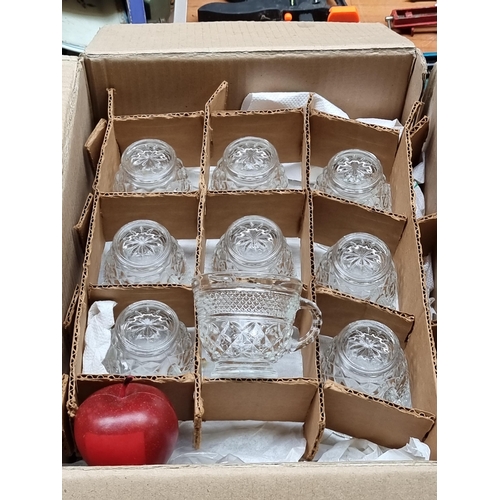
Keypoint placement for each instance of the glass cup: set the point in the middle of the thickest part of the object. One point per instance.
(356, 175)
(143, 251)
(326, 354)
(246, 322)
(249, 163)
(253, 243)
(367, 357)
(360, 264)
(149, 339)
(151, 166)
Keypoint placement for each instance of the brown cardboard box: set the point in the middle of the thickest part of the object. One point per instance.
(334, 61)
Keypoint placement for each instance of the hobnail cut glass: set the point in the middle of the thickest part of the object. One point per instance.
(151, 166)
(249, 163)
(149, 339)
(326, 354)
(360, 264)
(368, 358)
(246, 322)
(253, 243)
(143, 251)
(356, 175)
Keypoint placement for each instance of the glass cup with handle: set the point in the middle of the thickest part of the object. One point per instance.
(246, 321)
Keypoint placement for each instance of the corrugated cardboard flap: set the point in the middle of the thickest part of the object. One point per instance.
(252, 57)
(94, 143)
(70, 314)
(82, 226)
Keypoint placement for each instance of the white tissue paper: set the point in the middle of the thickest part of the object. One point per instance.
(429, 283)
(335, 447)
(285, 100)
(242, 441)
(418, 179)
(257, 101)
(98, 336)
(279, 442)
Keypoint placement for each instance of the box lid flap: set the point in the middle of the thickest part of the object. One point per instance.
(237, 36)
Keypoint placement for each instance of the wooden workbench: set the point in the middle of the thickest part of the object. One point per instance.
(370, 11)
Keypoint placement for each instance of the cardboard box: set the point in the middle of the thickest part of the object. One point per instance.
(368, 71)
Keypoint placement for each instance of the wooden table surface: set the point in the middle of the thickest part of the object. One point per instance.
(370, 11)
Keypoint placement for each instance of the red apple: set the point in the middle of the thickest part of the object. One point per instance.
(126, 424)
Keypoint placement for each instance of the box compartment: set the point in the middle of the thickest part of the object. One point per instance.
(112, 211)
(180, 389)
(182, 131)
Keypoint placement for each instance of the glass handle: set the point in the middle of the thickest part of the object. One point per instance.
(315, 326)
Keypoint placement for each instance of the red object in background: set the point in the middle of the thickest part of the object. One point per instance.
(126, 424)
(410, 19)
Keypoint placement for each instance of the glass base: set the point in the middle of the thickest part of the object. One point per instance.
(236, 369)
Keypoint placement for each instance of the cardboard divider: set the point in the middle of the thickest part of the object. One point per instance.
(339, 310)
(428, 240)
(218, 100)
(179, 390)
(430, 110)
(314, 424)
(414, 115)
(69, 319)
(68, 446)
(371, 418)
(428, 233)
(331, 134)
(364, 417)
(82, 226)
(434, 327)
(333, 218)
(418, 136)
(93, 145)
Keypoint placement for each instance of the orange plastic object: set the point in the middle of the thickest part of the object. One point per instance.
(343, 14)
(287, 16)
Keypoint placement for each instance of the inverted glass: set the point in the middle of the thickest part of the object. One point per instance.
(254, 244)
(143, 251)
(367, 356)
(249, 163)
(149, 339)
(356, 175)
(246, 322)
(149, 166)
(360, 264)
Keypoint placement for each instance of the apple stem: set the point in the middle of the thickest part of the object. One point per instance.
(125, 385)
